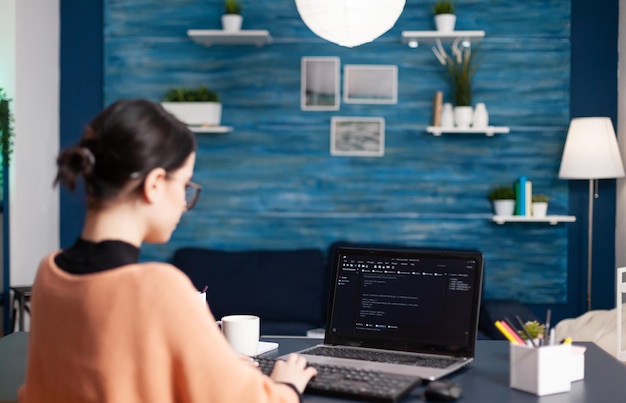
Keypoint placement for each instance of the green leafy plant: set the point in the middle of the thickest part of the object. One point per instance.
(539, 198)
(443, 7)
(533, 328)
(6, 129)
(502, 193)
(460, 66)
(200, 94)
(232, 7)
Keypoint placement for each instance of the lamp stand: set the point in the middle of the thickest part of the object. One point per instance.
(592, 195)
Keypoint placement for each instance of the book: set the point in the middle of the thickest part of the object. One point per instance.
(437, 107)
(529, 198)
(520, 196)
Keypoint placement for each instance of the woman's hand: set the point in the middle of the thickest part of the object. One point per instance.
(294, 371)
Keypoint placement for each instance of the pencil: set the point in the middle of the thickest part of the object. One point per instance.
(517, 337)
(505, 332)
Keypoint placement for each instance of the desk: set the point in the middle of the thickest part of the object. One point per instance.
(485, 380)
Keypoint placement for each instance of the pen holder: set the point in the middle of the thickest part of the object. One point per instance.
(541, 371)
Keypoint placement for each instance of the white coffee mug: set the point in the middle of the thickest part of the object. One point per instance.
(242, 332)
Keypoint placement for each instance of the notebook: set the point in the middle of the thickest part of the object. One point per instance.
(410, 305)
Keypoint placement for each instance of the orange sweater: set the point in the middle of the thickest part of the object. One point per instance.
(132, 334)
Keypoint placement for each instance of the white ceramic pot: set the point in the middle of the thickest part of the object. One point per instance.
(504, 207)
(463, 116)
(540, 209)
(447, 115)
(231, 22)
(481, 116)
(445, 22)
(196, 113)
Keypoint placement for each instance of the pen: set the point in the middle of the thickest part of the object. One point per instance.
(519, 320)
(552, 337)
(546, 330)
(505, 332)
(511, 327)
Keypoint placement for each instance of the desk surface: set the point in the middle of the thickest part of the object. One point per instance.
(485, 380)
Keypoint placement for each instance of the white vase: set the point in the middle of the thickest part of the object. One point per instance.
(463, 116)
(447, 115)
(540, 209)
(481, 116)
(504, 207)
(445, 22)
(231, 22)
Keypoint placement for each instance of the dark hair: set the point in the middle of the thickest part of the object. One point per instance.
(124, 142)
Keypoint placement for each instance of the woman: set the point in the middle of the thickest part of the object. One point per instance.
(106, 328)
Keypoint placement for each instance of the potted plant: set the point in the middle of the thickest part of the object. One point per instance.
(232, 19)
(540, 205)
(460, 67)
(6, 141)
(194, 106)
(444, 16)
(503, 198)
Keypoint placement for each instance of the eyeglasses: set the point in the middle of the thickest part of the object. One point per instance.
(192, 194)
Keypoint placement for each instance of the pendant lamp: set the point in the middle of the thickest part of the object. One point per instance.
(350, 23)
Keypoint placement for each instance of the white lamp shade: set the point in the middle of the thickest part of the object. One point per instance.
(591, 150)
(350, 23)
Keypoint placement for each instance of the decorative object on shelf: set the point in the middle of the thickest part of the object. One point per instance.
(460, 68)
(349, 23)
(539, 205)
(232, 19)
(591, 152)
(503, 198)
(481, 116)
(437, 108)
(447, 115)
(444, 16)
(463, 116)
(523, 196)
(196, 107)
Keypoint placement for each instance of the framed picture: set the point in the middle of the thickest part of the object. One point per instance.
(319, 84)
(357, 136)
(370, 84)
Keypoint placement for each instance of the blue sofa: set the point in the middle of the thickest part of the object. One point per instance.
(288, 289)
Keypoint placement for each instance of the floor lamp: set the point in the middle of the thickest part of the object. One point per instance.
(591, 152)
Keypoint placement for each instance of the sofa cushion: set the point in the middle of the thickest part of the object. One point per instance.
(283, 287)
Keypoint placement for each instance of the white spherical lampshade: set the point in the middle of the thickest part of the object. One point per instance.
(350, 23)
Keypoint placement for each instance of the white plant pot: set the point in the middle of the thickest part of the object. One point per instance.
(196, 113)
(445, 22)
(463, 116)
(231, 22)
(504, 207)
(447, 115)
(540, 209)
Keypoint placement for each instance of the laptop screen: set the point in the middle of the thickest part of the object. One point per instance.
(408, 300)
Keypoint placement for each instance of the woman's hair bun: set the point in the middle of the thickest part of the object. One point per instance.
(72, 163)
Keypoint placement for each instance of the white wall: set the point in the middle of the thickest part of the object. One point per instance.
(34, 203)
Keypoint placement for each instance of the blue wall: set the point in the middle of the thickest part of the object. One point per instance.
(272, 183)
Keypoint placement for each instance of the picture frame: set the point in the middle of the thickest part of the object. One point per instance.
(357, 136)
(319, 84)
(370, 84)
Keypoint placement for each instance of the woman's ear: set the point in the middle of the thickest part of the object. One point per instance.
(154, 184)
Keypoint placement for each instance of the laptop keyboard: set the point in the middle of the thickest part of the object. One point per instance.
(380, 356)
(339, 381)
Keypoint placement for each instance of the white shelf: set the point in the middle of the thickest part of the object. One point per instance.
(211, 129)
(552, 219)
(208, 37)
(487, 131)
(414, 38)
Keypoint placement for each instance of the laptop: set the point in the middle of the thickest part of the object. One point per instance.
(392, 310)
